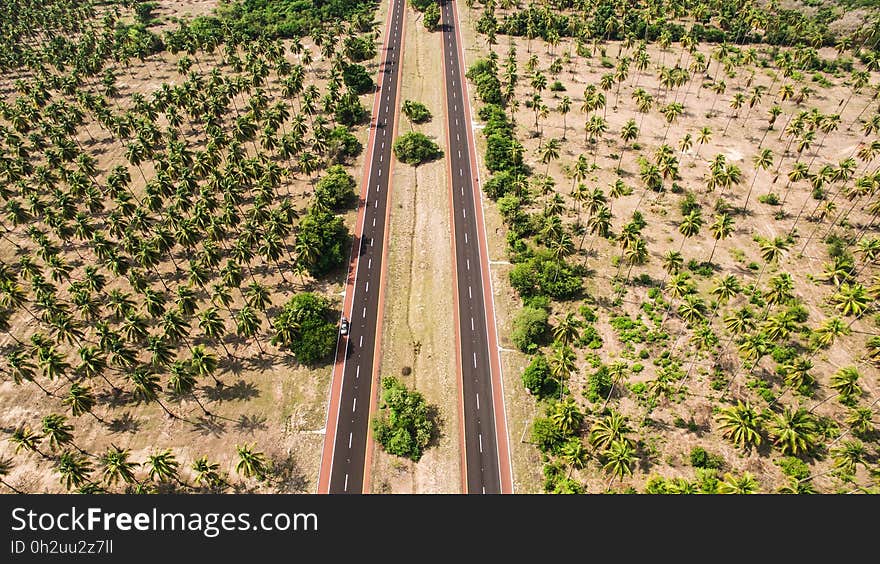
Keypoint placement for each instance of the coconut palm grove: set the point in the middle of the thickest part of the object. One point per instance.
(681, 200)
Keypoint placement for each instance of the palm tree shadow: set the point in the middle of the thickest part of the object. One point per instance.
(240, 391)
(251, 423)
(261, 363)
(124, 423)
(234, 365)
(115, 398)
(205, 426)
(287, 476)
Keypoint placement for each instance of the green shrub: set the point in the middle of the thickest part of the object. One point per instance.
(327, 238)
(770, 198)
(406, 428)
(305, 325)
(349, 110)
(587, 313)
(359, 49)
(431, 18)
(557, 86)
(336, 188)
(530, 329)
(416, 112)
(345, 143)
(537, 378)
(700, 458)
(590, 338)
(415, 148)
(793, 467)
(357, 79)
(598, 385)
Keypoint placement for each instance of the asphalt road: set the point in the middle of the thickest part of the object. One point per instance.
(483, 472)
(362, 305)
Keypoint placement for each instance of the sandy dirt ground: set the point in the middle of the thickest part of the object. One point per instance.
(418, 327)
(271, 401)
(667, 446)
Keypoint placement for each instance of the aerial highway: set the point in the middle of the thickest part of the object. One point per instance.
(345, 455)
(485, 448)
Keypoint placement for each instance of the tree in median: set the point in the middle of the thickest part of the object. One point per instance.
(416, 148)
(415, 112)
(405, 427)
(431, 18)
(305, 326)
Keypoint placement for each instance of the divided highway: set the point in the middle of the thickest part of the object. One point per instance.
(485, 443)
(345, 454)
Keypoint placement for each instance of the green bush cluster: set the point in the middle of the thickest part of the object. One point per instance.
(415, 148)
(530, 329)
(335, 190)
(305, 326)
(405, 426)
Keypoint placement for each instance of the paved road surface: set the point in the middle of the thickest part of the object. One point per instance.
(345, 444)
(485, 446)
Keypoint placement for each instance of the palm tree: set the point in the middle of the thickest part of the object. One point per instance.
(203, 363)
(6, 467)
(794, 431)
(619, 459)
(162, 466)
(849, 455)
(629, 132)
(79, 400)
(251, 462)
(610, 428)
(57, 431)
(860, 420)
(763, 161)
(214, 327)
(208, 474)
(567, 417)
(690, 225)
(74, 469)
(741, 424)
(562, 364)
(549, 152)
(745, 484)
(147, 387)
(846, 383)
(726, 287)
(574, 454)
(24, 438)
(721, 229)
(117, 466)
(672, 262)
(851, 299)
(797, 372)
(568, 329)
(703, 137)
(563, 108)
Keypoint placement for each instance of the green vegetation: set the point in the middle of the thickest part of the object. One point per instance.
(416, 112)
(530, 329)
(406, 424)
(288, 18)
(306, 325)
(336, 189)
(415, 148)
(357, 78)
